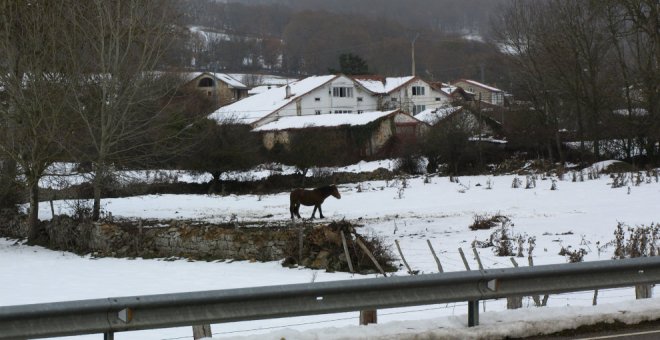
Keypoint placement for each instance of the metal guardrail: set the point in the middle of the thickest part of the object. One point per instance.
(218, 306)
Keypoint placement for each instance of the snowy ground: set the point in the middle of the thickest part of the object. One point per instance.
(577, 214)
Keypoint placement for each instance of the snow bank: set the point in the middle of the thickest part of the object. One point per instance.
(493, 325)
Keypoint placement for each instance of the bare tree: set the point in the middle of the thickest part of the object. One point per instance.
(522, 31)
(565, 58)
(637, 30)
(117, 49)
(32, 72)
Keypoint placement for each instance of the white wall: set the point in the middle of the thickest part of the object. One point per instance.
(327, 103)
(428, 99)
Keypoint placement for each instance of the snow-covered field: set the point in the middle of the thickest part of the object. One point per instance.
(577, 214)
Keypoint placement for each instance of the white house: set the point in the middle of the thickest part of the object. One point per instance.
(483, 92)
(410, 94)
(316, 95)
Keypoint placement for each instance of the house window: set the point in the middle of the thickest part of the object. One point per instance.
(437, 99)
(318, 112)
(418, 90)
(317, 99)
(206, 82)
(393, 99)
(343, 111)
(359, 99)
(418, 108)
(360, 111)
(343, 92)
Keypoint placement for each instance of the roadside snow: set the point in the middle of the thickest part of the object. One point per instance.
(492, 325)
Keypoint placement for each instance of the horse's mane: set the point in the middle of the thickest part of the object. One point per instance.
(325, 189)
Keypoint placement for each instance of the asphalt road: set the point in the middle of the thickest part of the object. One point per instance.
(643, 331)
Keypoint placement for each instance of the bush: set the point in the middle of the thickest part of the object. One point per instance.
(410, 164)
(574, 256)
(487, 222)
(641, 241)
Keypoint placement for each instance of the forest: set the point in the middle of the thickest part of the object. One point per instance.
(306, 37)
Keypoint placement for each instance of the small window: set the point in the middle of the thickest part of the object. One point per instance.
(317, 99)
(418, 108)
(318, 112)
(206, 82)
(343, 111)
(393, 99)
(437, 99)
(359, 99)
(418, 90)
(360, 111)
(342, 92)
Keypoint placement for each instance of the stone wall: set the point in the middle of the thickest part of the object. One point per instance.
(321, 243)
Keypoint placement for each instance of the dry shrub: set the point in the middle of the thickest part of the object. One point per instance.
(485, 222)
(641, 241)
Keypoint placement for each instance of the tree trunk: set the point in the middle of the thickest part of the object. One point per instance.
(97, 187)
(215, 182)
(33, 217)
(8, 197)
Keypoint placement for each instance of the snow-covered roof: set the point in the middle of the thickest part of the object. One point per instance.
(382, 85)
(324, 120)
(448, 89)
(229, 80)
(633, 112)
(489, 139)
(263, 79)
(260, 89)
(484, 86)
(254, 108)
(432, 116)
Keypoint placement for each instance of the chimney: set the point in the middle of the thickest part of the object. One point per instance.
(288, 91)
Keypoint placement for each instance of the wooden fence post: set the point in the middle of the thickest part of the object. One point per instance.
(537, 299)
(346, 252)
(476, 255)
(369, 254)
(465, 262)
(514, 302)
(398, 247)
(437, 260)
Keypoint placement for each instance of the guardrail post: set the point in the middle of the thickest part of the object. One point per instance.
(473, 313)
(201, 331)
(368, 316)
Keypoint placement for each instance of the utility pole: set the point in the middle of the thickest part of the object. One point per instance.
(413, 52)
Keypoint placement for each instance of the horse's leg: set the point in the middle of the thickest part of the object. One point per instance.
(292, 209)
(313, 212)
(320, 212)
(297, 209)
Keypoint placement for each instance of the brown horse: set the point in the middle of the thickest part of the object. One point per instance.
(311, 197)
